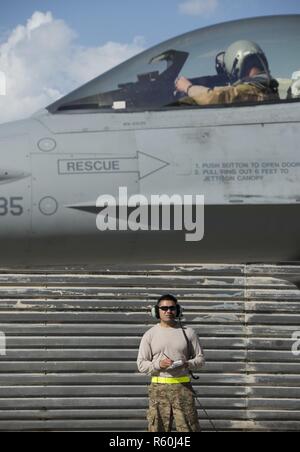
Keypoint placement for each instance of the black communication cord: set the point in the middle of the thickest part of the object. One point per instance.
(191, 356)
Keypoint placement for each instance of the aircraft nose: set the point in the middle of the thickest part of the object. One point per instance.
(14, 155)
(11, 175)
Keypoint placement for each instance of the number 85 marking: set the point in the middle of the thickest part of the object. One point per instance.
(11, 206)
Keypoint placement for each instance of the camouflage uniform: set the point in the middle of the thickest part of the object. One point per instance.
(258, 90)
(169, 401)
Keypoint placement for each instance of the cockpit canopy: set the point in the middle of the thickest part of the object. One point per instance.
(146, 82)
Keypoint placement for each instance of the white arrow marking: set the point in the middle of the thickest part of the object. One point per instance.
(149, 165)
(143, 164)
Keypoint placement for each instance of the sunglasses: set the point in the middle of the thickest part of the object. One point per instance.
(168, 308)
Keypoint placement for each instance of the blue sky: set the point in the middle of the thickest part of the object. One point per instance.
(50, 47)
(97, 21)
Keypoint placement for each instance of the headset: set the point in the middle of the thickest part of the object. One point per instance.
(155, 309)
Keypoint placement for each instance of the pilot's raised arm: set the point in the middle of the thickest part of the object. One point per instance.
(247, 69)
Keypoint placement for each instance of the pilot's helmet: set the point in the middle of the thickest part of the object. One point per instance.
(238, 57)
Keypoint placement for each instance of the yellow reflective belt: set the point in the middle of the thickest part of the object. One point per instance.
(170, 380)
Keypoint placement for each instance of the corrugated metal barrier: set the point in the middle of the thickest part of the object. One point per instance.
(72, 339)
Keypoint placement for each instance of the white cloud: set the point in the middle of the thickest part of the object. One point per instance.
(198, 7)
(42, 61)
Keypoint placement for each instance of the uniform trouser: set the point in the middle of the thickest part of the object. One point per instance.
(172, 401)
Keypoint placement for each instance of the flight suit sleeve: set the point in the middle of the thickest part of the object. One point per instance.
(145, 362)
(199, 361)
(226, 94)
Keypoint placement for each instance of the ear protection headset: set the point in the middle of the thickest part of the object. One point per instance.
(170, 297)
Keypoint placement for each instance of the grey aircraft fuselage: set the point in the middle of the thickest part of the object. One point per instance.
(243, 159)
(54, 167)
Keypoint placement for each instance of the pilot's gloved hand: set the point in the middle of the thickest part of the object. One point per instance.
(182, 85)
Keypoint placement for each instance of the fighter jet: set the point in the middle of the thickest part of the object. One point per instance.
(128, 169)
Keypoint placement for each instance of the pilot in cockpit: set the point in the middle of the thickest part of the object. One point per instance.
(247, 69)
